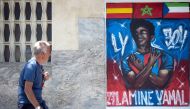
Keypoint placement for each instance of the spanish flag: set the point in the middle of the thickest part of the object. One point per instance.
(119, 10)
(176, 10)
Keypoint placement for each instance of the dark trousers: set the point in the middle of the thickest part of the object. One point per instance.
(30, 106)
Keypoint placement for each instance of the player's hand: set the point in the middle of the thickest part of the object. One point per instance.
(136, 62)
(46, 76)
(154, 56)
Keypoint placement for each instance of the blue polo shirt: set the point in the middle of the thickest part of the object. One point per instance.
(32, 72)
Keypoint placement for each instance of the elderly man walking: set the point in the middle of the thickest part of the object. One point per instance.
(32, 77)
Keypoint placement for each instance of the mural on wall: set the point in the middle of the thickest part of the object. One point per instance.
(148, 54)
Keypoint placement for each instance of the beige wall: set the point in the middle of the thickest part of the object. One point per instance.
(146, 1)
(66, 14)
(65, 18)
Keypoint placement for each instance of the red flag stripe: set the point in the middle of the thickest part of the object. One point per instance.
(119, 16)
(177, 15)
(119, 5)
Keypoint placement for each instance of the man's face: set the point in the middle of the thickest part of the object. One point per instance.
(142, 36)
(47, 55)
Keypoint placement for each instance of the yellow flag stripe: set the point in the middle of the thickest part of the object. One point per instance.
(119, 10)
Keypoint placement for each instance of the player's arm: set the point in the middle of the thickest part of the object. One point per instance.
(142, 76)
(165, 72)
(161, 79)
(137, 80)
(30, 94)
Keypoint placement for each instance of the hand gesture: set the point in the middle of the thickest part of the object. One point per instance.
(136, 62)
(154, 56)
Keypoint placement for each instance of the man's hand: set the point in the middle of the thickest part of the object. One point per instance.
(38, 107)
(46, 76)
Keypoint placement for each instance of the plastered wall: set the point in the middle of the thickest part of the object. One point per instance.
(65, 20)
(78, 71)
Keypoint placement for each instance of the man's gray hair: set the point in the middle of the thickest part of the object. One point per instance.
(41, 47)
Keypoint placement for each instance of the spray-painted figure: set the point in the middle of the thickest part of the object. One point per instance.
(148, 67)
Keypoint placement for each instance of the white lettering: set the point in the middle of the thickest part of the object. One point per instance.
(122, 41)
(114, 43)
(159, 96)
(125, 98)
(150, 97)
(175, 38)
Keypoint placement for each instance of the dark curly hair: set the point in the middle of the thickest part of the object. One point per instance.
(136, 23)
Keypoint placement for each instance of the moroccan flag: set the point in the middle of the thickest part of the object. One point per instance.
(119, 10)
(176, 10)
(147, 10)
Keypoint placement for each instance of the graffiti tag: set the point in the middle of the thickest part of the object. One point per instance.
(123, 42)
(175, 39)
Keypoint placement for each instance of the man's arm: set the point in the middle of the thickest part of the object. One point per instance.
(162, 79)
(138, 80)
(142, 76)
(30, 94)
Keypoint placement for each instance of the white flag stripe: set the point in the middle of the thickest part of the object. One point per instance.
(178, 9)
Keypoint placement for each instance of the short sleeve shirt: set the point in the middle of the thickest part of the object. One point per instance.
(32, 72)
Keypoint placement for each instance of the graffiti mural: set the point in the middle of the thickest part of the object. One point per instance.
(148, 54)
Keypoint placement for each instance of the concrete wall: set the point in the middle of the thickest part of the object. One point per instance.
(78, 74)
(78, 77)
(9, 74)
(78, 62)
(65, 20)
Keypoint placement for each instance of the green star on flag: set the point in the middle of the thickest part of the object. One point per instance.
(146, 10)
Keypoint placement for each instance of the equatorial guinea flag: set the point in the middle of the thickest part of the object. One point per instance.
(147, 10)
(119, 10)
(176, 10)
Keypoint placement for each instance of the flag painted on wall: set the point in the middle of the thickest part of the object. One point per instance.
(176, 10)
(119, 10)
(147, 10)
(148, 54)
